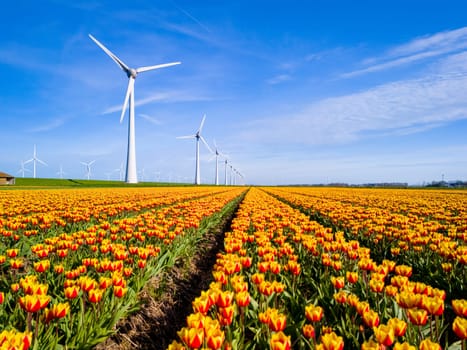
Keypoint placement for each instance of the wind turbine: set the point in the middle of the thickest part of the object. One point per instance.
(23, 169)
(34, 159)
(88, 168)
(61, 172)
(131, 172)
(217, 154)
(198, 137)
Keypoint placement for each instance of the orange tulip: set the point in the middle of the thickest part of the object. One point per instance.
(95, 295)
(459, 326)
(215, 338)
(384, 334)
(202, 304)
(279, 341)
(34, 303)
(371, 318)
(434, 306)
(277, 321)
(371, 345)
(352, 277)
(399, 326)
(243, 298)
(192, 337)
(226, 314)
(340, 297)
(71, 292)
(120, 291)
(417, 317)
(224, 299)
(460, 307)
(404, 346)
(314, 313)
(331, 341)
(309, 331)
(376, 286)
(427, 344)
(338, 282)
(403, 270)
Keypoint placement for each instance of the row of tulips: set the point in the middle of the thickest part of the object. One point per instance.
(284, 281)
(69, 289)
(435, 244)
(31, 213)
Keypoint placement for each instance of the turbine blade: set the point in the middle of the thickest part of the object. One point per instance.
(145, 69)
(40, 161)
(129, 91)
(202, 123)
(29, 161)
(206, 144)
(186, 137)
(117, 60)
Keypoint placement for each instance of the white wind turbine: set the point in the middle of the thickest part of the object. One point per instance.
(217, 154)
(88, 168)
(34, 160)
(131, 172)
(61, 172)
(198, 137)
(22, 170)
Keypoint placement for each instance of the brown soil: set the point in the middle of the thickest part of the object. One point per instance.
(156, 324)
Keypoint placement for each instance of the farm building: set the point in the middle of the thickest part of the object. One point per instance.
(6, 179)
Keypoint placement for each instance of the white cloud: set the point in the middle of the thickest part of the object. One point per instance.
(405, 105)
(279, 79)
(442, 43)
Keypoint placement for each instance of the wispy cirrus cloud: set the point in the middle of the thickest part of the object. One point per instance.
(279, 79)
(404, 106)
(438, 44)
(167, 97)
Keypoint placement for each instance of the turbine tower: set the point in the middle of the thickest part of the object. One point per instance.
(34, 160)
(22, 170)
(61, 172)
(88, 168)
(217, 154)
(198, 137)
(131, 172)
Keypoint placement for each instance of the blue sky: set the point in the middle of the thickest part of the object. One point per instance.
(293, 91)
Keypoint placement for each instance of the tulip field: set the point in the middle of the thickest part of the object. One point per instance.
(300, 267)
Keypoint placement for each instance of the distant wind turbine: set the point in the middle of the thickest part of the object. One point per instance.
(34, 160)
(198, 137)
(61, 172)
(225, 179)
(131, 172)
(22, 170)
(217, 154)
(88, 168)
(120, 171)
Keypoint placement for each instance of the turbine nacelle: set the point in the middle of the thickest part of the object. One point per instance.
(131, 73)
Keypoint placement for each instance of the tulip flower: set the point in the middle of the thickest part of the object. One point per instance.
(460, 307)
(376, 286)
(277, 321)
(215, 338)
(399, 326)
(340, 297)
(417, 317)
(309, 331)
(370, 318)
(226, 314)
(71, 292)
(434, 306)
(427, 344)
(192, 337)
(352, 277)
(338, 282)
(242, 298)
(384, 334)
(404, 346)
(459, 326)
(95, 295)
(202, 304)
(34, 303)
(279, 341)
(371, 345)
(403, 270)
(224, 298)
(120, 291)
(314, 313)
(331, 341)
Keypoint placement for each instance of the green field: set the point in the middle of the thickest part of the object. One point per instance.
(27, 183)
